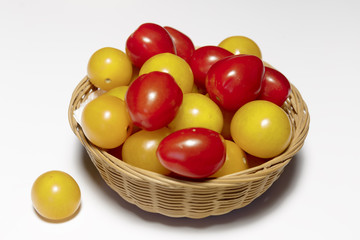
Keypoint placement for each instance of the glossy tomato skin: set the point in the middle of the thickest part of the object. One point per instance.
(139, 150)
(275, 87)
(202, 59)
(103, 68)
(106, 121)
(197, 110)
(56, 196)
(192, 152)
(183, 44)
(235, 160)
(172, 64)
(261, 128)
(233, 81)
(153, 100)
(241, 45)
(146, 41)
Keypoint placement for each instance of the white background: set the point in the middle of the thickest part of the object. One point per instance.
(44, 49)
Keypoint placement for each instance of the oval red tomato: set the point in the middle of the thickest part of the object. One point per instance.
(146, 41)
(183, 44)
(202, 59)
(275, 87)
(192, 152)
(233, 81)
(153, 100)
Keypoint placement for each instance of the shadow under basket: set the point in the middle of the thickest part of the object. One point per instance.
(174, 197)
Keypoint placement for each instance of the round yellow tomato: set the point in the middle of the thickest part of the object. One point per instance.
(119, 92)
(197, 110)
(106, 121)
(241, 45)
(261, 128)
(108, 68)
(170, 63)
(235, 160)
(139, 150)
(55, 195)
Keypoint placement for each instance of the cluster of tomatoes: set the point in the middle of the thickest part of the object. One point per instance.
(175, 109)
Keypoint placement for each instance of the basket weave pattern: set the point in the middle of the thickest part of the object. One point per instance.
(174, 197)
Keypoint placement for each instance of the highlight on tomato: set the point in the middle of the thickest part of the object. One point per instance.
(233, 81)
(172, 64)
(106, 121)
(275, 87)
(153, 100)
(55, 195)
(147, 40)
(139, 150)
(109, 68)
(202, 59)
(261, 128)
(192, 152)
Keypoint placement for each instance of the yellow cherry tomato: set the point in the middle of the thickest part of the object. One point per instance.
(55, 195)
(235, 160)
(197, 110)
(139, 150)
(261, 128)
(119, 92)
(241, 45)
(106, 121)
(108, 68)
(170, 63)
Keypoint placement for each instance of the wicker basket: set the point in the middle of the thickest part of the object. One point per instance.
(174, 197)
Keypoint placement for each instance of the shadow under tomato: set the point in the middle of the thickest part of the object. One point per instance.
(61, 220)
(260, 207)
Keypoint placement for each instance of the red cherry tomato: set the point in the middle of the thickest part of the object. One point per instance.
(202, 59)
(275, 87)
(183, 44)
(146, 41)
(192, 152)
(153, 100)
(233, 81)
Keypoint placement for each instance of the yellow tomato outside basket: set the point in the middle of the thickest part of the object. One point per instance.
(55, 195)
